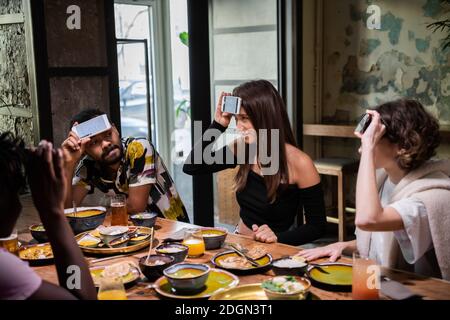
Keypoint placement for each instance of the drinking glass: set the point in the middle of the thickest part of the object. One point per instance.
(365, 278)
(193, 239)
(111, 288)
(119, 213)
(10, 243)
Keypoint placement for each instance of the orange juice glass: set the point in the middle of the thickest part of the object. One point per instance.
(193, 239)
(111, 288)
(365, 278)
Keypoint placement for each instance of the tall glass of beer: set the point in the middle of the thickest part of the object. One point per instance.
(119, 213)
(10, 243)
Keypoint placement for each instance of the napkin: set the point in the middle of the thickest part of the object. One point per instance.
(397, 291)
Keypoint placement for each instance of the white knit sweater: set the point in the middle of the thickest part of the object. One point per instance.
(430, 183)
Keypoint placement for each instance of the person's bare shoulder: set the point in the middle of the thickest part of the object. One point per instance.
(304, 172)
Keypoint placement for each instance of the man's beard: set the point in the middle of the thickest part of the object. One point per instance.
(114, 160)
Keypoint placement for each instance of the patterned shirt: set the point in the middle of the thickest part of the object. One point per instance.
(140, 165)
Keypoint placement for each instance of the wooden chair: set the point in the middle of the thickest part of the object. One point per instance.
(339, 167)
(227, 203)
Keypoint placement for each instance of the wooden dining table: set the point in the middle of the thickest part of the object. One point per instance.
(428, 288)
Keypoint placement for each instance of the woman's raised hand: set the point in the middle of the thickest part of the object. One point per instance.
(374, 132)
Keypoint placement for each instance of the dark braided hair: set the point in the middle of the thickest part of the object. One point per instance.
(12, 157)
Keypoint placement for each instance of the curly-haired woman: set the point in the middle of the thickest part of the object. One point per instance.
(401, 209)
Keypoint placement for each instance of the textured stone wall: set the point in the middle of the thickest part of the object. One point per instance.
(14, 84)
(363, 68)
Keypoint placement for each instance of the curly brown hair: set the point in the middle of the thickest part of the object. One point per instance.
(413, 129)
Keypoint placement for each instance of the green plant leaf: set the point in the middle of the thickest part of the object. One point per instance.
(184, 38)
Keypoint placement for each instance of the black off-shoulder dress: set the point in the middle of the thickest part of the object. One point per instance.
(255, 207)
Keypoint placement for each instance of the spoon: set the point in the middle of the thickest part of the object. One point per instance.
(74, 208)
(151, 245)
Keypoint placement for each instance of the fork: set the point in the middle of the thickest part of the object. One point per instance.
(239, 252)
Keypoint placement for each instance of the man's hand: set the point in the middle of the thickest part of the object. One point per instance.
(46, 177)
(264, 234)
(74, 148)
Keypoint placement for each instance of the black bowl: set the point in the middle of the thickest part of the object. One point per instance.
(288, 271)
(83, 224)
(39, 236)
(144, 219)
(153, 272)
(178, 256)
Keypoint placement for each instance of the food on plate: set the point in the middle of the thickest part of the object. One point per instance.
(209, 233)
(35, 253)
(286, 284)
(120, 269)
(289, 263)
(88, 241)
(235, 262)
(140, 237)
(84, 214)
(38, 228)
(170, 250)
(186, 273)
(257, 252)
(113, 231)
(155, 263)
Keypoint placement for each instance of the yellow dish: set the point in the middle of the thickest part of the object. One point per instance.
(249, 292)
(38, 254)
(338, 274)
(97, 274)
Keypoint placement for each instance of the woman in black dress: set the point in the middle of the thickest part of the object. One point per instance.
(269, 199)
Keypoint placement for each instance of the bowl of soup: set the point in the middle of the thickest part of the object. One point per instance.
(38, 233)
(175, 250)
(187, 277)
(144, 219)
(85, 218)
(154, 266)
(214, 238)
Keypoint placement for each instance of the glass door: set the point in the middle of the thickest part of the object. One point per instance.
(134, 87)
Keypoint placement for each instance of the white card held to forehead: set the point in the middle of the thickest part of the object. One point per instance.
(231, 104)
(92, 127)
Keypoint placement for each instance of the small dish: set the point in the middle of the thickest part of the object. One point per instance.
(177, 251)
(286, 288)
(38, 233)
(89, 241)
(286, 266)
(214, 238)
(120, 242)
(187, 277)
(155, 266)
(144, 219)
(218, 281)
(109, 234)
